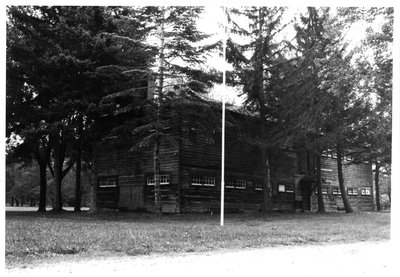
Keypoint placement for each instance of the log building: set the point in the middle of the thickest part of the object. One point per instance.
(190, 176)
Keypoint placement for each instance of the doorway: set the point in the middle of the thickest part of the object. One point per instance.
(306, 188)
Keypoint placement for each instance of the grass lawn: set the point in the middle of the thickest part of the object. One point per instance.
(33, 237)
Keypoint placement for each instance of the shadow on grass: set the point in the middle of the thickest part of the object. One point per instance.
(144, 216)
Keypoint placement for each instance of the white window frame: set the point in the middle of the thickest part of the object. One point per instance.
(366, 191)
(336, 191)
(164, 179)
(240, 184)
(258, 186)
(323, 190)
(284, 188)
(289, 190)
(110, 182)
(230, 184)
(209, 181)
(354, 191)
(197, 181)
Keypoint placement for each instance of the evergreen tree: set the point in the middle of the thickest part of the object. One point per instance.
(58, 59)
(260, 76)
(372, 140)
(174, 78)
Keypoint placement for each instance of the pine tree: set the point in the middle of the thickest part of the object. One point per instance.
(174, 77)
(62, 58)
(371, 141)
(259, 76)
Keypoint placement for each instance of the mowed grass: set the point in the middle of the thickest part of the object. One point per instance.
(33, 237)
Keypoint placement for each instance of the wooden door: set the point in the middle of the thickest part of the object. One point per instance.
(137, 200)
(306, 195)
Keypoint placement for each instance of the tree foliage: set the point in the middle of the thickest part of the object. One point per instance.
(55, 74)
(174, 78)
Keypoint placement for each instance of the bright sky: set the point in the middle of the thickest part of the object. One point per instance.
(212, 20)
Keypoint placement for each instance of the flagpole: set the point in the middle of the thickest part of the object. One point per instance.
(223, 123)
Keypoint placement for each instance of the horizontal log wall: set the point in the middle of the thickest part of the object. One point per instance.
(242, 162)
(200, 155)
(132, 169)
(356, 176)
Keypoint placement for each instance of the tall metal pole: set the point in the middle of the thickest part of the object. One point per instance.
(223, 123)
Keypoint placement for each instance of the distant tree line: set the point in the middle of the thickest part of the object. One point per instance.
(22, 186)
(78, 74)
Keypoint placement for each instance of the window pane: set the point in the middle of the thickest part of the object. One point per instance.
(289, 188)
(230, 184)
(209, 181)
(196, 181)
(258, 186)
(150, 181)
(241, 184)
(108, 182)
(164, 180)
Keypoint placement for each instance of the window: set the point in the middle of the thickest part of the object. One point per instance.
(352, 191)
(230, 184)
(289, 188)
(203, 181)
(164, 180)
(108, 182)
(258, 186)
(365, 191)
(209, 181)
(150, 180)
(240, 184)
(197, 181)
(336, 191)
(324, 191)
(285, 188)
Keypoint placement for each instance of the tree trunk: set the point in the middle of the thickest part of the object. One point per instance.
(78, 195)
(77, 207)
(321, 206)
(58, 165)
(157, 192)
(43, 186)
(179, 181)
(93, 193)
(377, 190)
(267, 199)
(346, 202)
(156, 152)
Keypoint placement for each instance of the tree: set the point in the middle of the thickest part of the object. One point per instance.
(25, 115)
(372, 142)
(177, 77)
(331, 105)
(22, 184)
(56, 57)
(304, 121)
(259, 76)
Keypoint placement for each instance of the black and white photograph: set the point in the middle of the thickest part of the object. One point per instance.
(231, 139)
